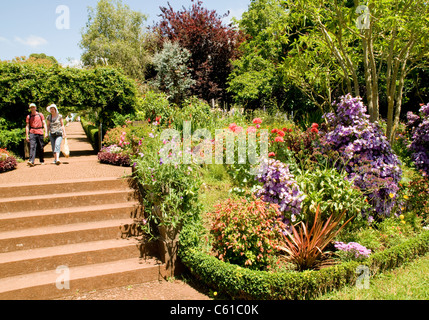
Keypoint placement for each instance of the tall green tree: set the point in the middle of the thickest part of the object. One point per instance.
(115, 36)
(373, 46)
(173, 76)
(334, 47)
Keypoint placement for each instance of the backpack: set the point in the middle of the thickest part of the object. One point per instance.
(29, 120)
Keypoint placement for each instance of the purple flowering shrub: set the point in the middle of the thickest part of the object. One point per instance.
(352, 251)
(7, 162)
(114, 155)
(364, 153)
(418, 128)
(280, 187)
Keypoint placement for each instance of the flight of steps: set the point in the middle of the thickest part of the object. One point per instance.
(60, 238)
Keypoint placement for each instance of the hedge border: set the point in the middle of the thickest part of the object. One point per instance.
(245, 284)
(91, 132)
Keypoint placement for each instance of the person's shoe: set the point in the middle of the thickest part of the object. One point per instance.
(30, 164)
(58, 163)
(54, 162)
(42, 163)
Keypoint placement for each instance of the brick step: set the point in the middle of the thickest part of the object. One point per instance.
(65, 200)
(58, 187)
(62, 216)
(44, 259)
(66, 234)
(43, 285)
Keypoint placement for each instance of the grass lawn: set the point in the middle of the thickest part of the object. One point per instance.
(409, 282)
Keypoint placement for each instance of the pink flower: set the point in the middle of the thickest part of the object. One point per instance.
(251, 129)
(258, 126)
(257, 121)
(271, 154)
(280, 133)
(232, 127)
(279, 139)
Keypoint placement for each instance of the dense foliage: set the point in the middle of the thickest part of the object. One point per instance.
(364, 153)
(212, 45)
(101, 90)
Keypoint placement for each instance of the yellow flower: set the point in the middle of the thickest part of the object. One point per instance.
(401, 217)
(215, 293)
(391, 195)
(406, 197)
(403, 221)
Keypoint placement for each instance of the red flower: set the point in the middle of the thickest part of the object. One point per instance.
(257, 121)
(158, 119)
(280, 133)
(232, 127)
(271, 154)
(148, 120)
(315, 125)
(314, 129)
(274, 131)
(285, 129)
(279, 139)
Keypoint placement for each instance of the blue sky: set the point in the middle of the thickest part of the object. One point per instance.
(28, 26)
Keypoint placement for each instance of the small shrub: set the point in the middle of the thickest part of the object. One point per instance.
(351, 251)
(305, 245)
(418, 127)
(7, 161)
(114, 155)
(246, 233)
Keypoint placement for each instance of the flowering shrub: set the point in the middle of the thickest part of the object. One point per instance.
(114, 155)
(352, 251)
(279, 187)
(364, 153)
(7, 162)
(246, 233)
(170, 188)
(418, 127)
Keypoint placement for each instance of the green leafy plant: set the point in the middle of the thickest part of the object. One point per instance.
(246, 233)
(305, 245)
(329, 190)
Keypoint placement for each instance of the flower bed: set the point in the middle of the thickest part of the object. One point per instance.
(7, 161)
(114, 155)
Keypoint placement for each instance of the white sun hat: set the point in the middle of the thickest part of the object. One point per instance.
(52, 106)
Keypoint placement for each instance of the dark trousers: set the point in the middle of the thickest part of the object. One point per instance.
(36, 146)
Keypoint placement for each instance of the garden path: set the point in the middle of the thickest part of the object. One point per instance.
(83, 164)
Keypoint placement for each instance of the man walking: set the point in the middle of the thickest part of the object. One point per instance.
(34, 134)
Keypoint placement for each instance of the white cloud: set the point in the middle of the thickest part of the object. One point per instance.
(32, 41)
(3, 39)
(73, 63)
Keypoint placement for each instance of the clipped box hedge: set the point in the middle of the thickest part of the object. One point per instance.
(91, 132)
(245, 284)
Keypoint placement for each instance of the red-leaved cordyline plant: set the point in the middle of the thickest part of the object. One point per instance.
(305, 245)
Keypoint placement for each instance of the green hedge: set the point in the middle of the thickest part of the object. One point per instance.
(241, 283)
(91, 132)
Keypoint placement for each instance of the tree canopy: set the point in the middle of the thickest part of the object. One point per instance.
(115, 36)
(212, 45)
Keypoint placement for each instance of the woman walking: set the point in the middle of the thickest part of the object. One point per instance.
(56, 131)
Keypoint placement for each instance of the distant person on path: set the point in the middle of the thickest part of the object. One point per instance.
(56, 131)
(34, 134)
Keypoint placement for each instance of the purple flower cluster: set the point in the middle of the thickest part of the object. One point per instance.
(354, 248)
(418, 127)
(114, 155)
(7, 164)
(365, 153)
(280, 187)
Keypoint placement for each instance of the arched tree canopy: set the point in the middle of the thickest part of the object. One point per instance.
(100, 90)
